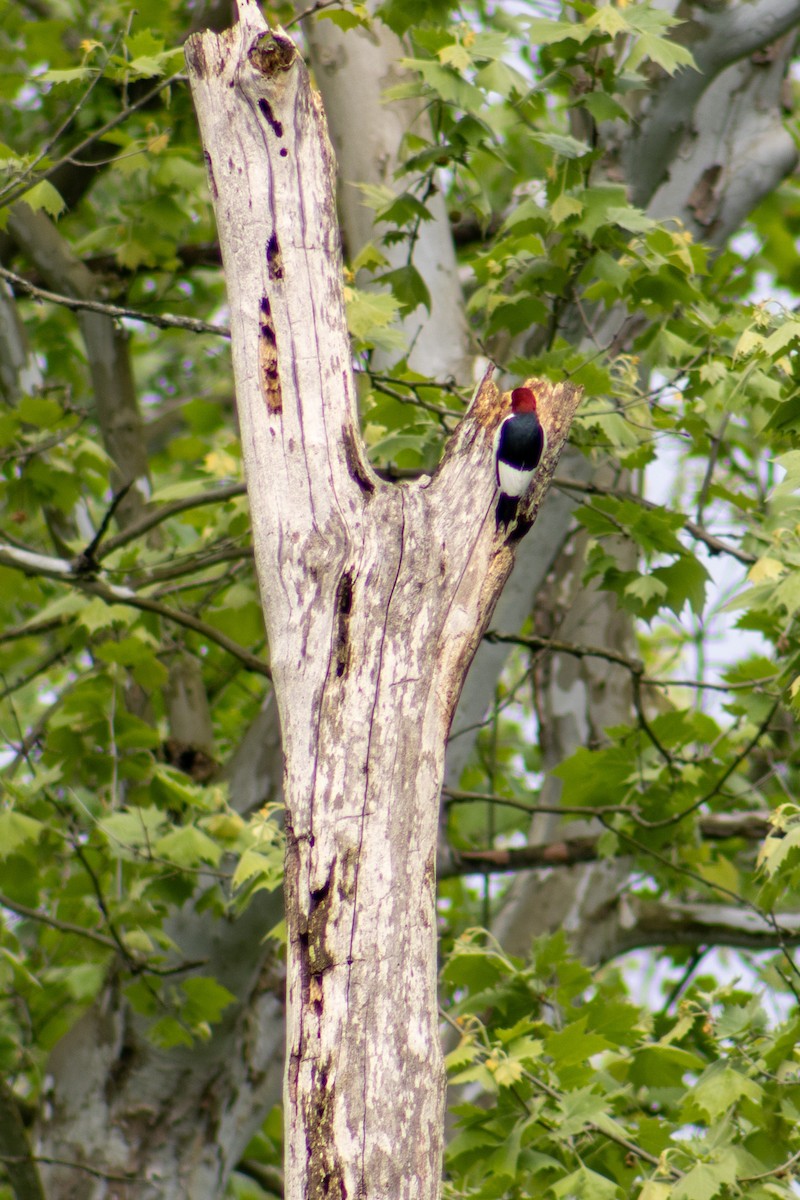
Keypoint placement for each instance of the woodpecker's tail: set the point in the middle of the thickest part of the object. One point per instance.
(506, 510)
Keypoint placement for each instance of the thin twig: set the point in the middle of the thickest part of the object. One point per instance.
(24, 180)
(15, 191)
(151, 519)
(113, 595)
(726, 774)
(752, 825)
(75, 1166)
(534, 641)
(50, 660)
(36, 914)
(318, 6)
(57, 568)
(86, 560)
(776, 1171)
(715, 545)
(163, 321)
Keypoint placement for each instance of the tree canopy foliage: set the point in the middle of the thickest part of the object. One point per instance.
(138, 823)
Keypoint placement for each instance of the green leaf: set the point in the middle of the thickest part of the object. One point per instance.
(667, 54)
(377, 196)
(70, 75)
(169, 1032)
(44, 196)
(543, 32)
(573, 1044)
(602, 106)
(608, 20)
(188, 847)
(504, 1161)
(562, 144)
(447, 84)
(96, 614)
(598, 201)
(352, 18)
(653, 1190)
(263, 870)
(632, 219)
(466, 1052)
(404, 209)
(685, 580)
(647, 589)
(455, 55)
(146, 67)
(501, 78)
(133, 829)
(369, 258)
(40, 411)
(408, 288)
(584, 1184)
(718, 1089)
(782, 338)
(17, 829)
(206, 999)
(564, 207)
(369, 315)
(580, 1108)
(704, 1181)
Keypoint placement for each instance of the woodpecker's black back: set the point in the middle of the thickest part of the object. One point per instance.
(521, 441)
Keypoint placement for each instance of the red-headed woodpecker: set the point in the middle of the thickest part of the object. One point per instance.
(518, 446)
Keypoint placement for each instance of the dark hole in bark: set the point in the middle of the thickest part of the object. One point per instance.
(273, 122)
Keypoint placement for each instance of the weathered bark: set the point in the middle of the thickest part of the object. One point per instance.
(375, 598)
(353, 69)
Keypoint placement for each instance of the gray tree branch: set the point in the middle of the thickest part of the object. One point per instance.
(718, 38)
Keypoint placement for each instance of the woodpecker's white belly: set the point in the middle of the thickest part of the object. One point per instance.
(512, 481)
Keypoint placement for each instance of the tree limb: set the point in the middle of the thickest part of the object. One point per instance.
(718, 38)
(568, 851)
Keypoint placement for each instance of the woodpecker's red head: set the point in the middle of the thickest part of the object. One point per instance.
(523, 400)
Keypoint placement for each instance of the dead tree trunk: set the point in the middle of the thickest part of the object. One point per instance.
(375, 598)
